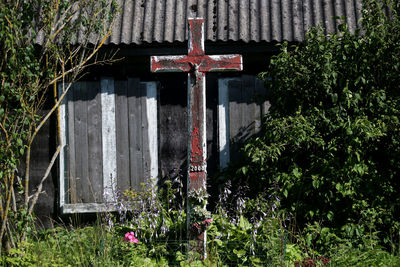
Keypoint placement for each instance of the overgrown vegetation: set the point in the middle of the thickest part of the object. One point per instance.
(42, 43)
(244, 233)
(318, 187)
(330, 146)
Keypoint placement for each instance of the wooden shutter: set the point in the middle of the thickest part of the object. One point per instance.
(241, 106)
(109, 129)
(136, 129)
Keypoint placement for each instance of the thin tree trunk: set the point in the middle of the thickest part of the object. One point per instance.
(6, 208)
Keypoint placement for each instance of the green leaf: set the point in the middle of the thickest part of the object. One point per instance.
(179, 256)
(334, 98)
(296, 172)
(218, 242)
(244, 170)
(315, 184)
(244, 223)
(239, 253)
(329, 215)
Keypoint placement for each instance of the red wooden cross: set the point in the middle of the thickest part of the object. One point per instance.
(196, 63)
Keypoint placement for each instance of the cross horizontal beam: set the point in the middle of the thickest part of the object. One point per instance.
(204, 63)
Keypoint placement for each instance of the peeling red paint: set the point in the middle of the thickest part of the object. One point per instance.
(196, 63)
(197, 180)
(196, 37)
(205, 63)
(194, 177)
(197, 150)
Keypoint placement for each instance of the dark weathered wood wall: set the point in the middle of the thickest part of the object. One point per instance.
(84, 155)
(83, 152)
(133, 155)
(84, 145)
(171, 126)
(42, 151)
(247, 106)
(173, 123)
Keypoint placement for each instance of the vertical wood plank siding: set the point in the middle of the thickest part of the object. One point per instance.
(143, 131)
(223, 122)
(94, 132)
(121, 119)
(240, 111)
(81, 142)
(109, 156)
(109, 129)
(152, 131)
(71, 196)
(236, 107)
(135, 133)
(62, 118)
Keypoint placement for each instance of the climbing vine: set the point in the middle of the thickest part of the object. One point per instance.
(43, 43)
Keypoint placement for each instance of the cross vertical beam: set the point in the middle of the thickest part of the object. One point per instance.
(196, 63)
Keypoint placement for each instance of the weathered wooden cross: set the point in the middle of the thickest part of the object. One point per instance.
(196, 63)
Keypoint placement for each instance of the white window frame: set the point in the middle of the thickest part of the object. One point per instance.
(108, 146)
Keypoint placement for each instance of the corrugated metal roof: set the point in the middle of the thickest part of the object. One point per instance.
(149, 21)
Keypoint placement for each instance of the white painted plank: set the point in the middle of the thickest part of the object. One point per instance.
(151, 113)
(63, 131)
(223, 121)
(204, 138)
(88, 208)
(108, 139)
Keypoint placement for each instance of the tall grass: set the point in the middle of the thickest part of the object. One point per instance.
(95, 245)
(62, 246)
(244, 232)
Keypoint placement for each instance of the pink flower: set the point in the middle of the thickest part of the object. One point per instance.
(207, 222)
(130, 237)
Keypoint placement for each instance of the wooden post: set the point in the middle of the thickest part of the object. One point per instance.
(196, 64)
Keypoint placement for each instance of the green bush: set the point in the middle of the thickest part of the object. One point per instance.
(330, 144)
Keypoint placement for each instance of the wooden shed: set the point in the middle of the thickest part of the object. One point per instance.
(122, 125)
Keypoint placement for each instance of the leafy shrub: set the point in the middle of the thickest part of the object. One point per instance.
(156, 216)
(251, 231)
(331, 142)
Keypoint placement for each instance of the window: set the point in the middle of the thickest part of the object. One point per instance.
(241, 106)
(109, 136)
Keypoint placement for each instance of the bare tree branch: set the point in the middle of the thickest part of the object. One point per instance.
(40, 186)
